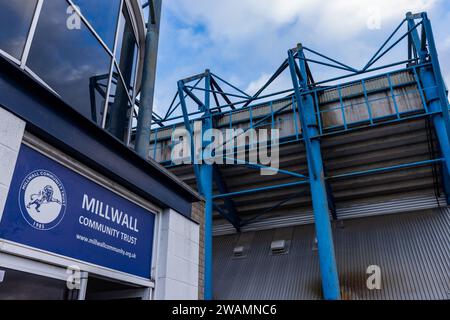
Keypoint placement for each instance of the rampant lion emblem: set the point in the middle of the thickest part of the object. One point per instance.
(44, 196)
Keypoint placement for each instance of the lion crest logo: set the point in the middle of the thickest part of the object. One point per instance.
(42, 200)
(44, 196)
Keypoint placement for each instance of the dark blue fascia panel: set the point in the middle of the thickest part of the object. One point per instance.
(52, 120)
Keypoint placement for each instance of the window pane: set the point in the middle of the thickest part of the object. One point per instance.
(127, 50)
(15, 22)
(72, 62)
(118, 108)
(98, 88)
(19, 285)
(102, 16)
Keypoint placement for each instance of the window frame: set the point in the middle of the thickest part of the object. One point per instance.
(124, 5)
(29, 37)
(92, 29)
(32, 267)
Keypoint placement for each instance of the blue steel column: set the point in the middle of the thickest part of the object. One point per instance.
(206, 178)
(328, 269)
(204, 175)
(434, 88)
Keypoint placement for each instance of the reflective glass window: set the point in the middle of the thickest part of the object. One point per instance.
(71, 61)
(102, 16)
(127, 50)
(18, 285)
(118, 108)
(15, 21)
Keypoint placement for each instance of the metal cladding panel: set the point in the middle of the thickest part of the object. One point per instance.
(411, 249)
(255, 112)
(376, 148)
(405, 203)
(261, 276)
(407, 99)
(380, 193)
(372, 85)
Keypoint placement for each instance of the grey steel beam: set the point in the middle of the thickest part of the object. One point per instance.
(144, 122)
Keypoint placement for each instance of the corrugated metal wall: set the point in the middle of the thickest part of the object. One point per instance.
(406, 142)
(412, 250)
(404, 203)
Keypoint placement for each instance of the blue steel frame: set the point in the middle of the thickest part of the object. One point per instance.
(422, 62)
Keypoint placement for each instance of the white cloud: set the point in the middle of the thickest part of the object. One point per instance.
(447, 43)
(447, 80)
(244, 41)
(282, 83)
(236, 19)
(257, 84)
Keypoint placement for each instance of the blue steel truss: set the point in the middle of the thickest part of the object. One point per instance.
(209, 102)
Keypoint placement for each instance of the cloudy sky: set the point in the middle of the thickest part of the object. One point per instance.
(244, 41)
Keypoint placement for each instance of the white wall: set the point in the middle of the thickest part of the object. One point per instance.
(178, 261)
(11, 133)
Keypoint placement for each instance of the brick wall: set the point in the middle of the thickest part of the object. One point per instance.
(198, 215)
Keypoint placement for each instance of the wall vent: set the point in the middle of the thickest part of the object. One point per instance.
(279, 247)
(239, 252)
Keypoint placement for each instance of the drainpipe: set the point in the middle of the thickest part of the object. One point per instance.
(142, 143)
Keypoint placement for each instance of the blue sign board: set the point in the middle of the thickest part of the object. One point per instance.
(55, 209)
